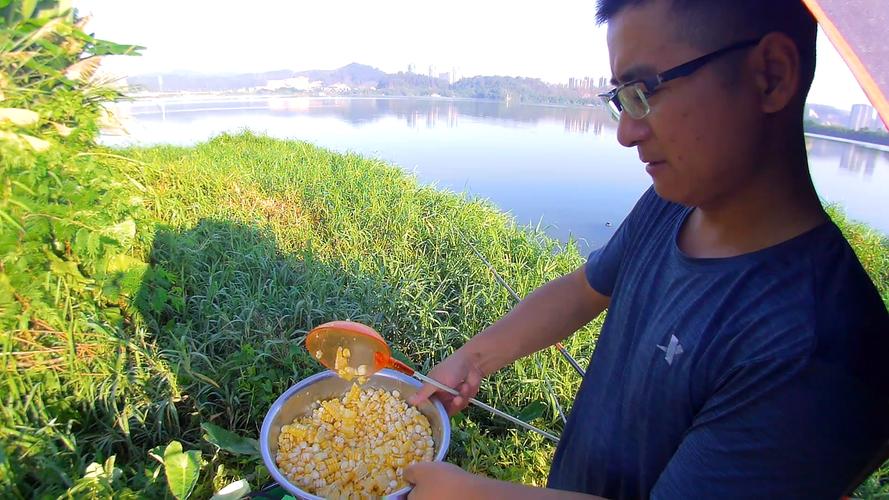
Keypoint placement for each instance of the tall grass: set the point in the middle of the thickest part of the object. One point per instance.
(250, 242)
(239, 247)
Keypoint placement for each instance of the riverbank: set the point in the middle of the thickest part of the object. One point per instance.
(871, 145)
(156, 290)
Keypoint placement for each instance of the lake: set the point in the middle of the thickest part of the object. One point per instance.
(553, 166)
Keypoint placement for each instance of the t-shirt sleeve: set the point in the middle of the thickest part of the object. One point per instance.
(779, 428)
(603, 264)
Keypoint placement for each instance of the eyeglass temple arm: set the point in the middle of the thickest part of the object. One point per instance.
(695, 64)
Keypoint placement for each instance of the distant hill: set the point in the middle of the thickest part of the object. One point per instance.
(827, 115)
(521, 89)
(362, 79)
(351, 74)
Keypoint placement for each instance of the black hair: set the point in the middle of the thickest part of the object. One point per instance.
(711, 24)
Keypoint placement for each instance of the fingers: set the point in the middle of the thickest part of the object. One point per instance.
(422, 395)
(455, 405)
(473, 381)
(452, 404)
(414, 473)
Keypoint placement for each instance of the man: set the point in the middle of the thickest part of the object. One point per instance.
(745, 350)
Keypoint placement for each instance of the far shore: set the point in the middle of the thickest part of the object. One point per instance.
(871, 145)
(197, 97)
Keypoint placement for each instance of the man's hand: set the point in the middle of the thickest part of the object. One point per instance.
(458, 371)
(434, 480)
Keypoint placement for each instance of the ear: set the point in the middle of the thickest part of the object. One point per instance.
(776, 66)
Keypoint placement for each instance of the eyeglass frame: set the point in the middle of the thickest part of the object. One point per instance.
(653, 82)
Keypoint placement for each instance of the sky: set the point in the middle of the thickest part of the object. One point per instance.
(552, 40)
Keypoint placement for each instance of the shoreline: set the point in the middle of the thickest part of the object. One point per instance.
(872, 145)
(195, 98)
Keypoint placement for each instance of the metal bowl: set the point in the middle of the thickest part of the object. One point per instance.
(297, 400)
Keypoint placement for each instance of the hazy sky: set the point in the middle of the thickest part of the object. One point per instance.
(551, 40)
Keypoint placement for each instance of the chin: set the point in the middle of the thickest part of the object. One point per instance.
(675, 194)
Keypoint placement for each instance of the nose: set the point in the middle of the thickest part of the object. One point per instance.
(631, 132)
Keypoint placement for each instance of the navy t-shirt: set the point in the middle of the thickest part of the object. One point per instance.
(759, 376)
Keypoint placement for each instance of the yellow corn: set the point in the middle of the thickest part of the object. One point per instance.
(356, 446)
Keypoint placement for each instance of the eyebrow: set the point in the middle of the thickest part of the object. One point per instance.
(634, 73)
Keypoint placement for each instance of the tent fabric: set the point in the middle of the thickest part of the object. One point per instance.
(857, 28)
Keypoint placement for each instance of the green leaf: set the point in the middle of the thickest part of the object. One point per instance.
(229, 441)
(105, 48)
(65, 268)
(182, 469)
(157, 453)
(9, 220)
(19, 116)
(28, 8)
(232, 491)
(532, 411)
(94, 471)
(123, 232)
(121, 274)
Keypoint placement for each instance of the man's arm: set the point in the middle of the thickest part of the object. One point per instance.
(546, 316)
(433, 480)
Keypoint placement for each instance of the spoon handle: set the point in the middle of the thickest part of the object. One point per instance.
(491, 409)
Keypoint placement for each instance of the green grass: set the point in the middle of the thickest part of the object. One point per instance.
(148, 294)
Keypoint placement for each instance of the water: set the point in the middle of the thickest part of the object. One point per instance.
(559, 167)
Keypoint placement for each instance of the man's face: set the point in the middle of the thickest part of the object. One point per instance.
(699, 140)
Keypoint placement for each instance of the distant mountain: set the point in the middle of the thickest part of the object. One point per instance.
(351, 74)
(361, 79)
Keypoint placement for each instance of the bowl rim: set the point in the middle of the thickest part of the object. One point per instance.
(276, 407)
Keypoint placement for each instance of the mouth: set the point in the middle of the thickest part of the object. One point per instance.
(653, 167)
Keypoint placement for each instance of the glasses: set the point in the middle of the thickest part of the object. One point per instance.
(632, 96)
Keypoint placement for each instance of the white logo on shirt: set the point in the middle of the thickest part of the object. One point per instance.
(673, 349)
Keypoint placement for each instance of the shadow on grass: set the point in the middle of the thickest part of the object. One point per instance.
(230, 312)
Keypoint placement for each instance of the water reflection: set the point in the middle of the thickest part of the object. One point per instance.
(858, 158)
(559, 165)
(415, 112)
(851, 158)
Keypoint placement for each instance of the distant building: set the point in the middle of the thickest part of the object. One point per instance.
(298, 83)
(877, 124)
(445, 76)
(861, 117)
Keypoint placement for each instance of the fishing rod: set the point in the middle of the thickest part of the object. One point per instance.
(559, 346)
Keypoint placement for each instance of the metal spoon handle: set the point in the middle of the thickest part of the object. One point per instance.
(491, 409)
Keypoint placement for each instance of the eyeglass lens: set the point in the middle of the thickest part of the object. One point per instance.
(632, 99)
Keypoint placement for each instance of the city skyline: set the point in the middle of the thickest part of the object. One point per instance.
(487, 38)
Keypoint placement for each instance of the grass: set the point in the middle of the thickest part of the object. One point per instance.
(175, 285)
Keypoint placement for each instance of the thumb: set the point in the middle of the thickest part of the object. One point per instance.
(422, 395)
(414, 473)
